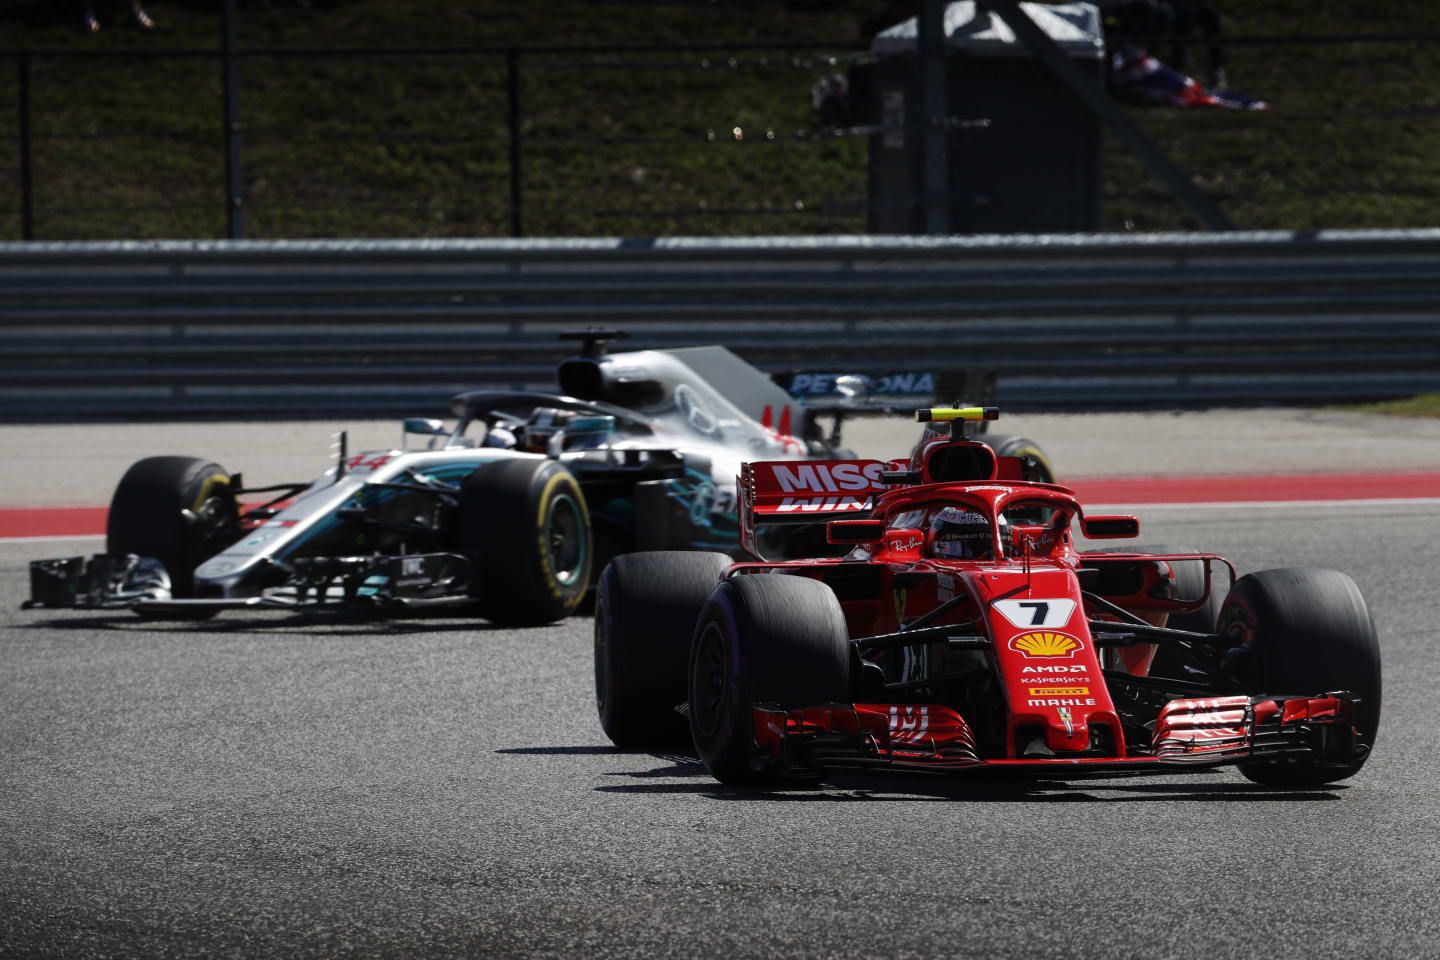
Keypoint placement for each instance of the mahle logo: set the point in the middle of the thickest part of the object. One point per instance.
(1045, 643)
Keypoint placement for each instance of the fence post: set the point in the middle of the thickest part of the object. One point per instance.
(27, 182)
(934, 117)
(512, 70)
(230, 80)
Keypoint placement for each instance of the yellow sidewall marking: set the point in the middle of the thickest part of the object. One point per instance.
(207, 488)
(550, 580)
(1027, 451)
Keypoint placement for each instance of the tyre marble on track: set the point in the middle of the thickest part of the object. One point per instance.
(252, 787)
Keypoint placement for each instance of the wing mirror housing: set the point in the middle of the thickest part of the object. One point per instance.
(431, 428)
(1110, 528)
(423, 426)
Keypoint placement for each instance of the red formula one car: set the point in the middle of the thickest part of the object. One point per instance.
(961, 631)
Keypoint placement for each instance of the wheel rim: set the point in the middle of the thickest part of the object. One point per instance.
(1240, 660)
(709, 685)
(566, 540)
(214, 519)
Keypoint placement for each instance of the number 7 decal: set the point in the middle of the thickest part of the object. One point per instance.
(1051, 613)
(1041, 607)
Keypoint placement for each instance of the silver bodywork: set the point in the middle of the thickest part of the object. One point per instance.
(689, 415)
(286, 534)
(663, 438)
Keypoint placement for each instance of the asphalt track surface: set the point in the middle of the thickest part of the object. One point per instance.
(276, 786)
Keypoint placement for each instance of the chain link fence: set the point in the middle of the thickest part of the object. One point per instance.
(632, 141)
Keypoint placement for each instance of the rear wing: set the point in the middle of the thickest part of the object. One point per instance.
(896, 393)
(806, 491)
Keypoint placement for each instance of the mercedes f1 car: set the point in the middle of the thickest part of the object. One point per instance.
(510, 509)
(963, 632)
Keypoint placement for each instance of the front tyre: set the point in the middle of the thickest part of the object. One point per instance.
(526, 528)
(1304, 631)
(762, 639)
(178, 510)
(645, 611)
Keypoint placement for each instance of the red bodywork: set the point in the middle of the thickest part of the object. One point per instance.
(1017, 627)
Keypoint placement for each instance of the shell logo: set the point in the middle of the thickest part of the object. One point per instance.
(1045, 643)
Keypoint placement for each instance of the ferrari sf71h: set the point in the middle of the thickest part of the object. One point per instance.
(962, 631)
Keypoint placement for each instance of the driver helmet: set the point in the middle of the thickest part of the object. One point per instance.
(589, 433)
(962, 533)
(543, 424)
(498, 436)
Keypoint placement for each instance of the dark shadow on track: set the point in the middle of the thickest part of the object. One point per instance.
(343, 624)
(560, 751)
(681, 764)
(848, 787)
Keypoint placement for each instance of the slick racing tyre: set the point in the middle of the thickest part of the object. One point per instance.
(645, 612)
(1304, 631)
(148, 515)
(762, 639)
(526, 528)
(1020, 447)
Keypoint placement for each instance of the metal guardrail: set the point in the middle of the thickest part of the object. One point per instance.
(208, 329)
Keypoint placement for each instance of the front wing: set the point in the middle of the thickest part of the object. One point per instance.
(378, 583)
(927, 738)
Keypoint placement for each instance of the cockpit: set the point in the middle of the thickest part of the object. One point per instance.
(956, 530)
(553, 430)
(962, 533)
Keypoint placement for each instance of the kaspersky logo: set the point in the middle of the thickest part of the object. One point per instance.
(1042, 644)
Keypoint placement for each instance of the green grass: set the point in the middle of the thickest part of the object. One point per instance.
(412, 146)
(1424, 405)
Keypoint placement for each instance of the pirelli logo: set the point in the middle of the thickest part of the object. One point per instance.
(1059, 691)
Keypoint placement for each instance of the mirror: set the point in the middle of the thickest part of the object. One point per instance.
(433, 428)
(423, 426)
(1110, 528)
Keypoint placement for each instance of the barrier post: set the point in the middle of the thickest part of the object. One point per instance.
(934, 114)
(27, 168)
(512, 86)
(230, 80)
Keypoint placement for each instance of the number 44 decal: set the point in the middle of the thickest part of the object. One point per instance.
(1036, 613)
(362, 462)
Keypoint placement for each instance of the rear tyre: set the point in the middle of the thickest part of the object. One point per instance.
(1304, 631)
(762, 639)
(645, 611)
(1005, 446)
(148, 515)
(526, 528)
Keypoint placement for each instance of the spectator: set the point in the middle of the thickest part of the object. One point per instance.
(142, 19)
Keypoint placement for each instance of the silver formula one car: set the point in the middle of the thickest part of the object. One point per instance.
(512, 509)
